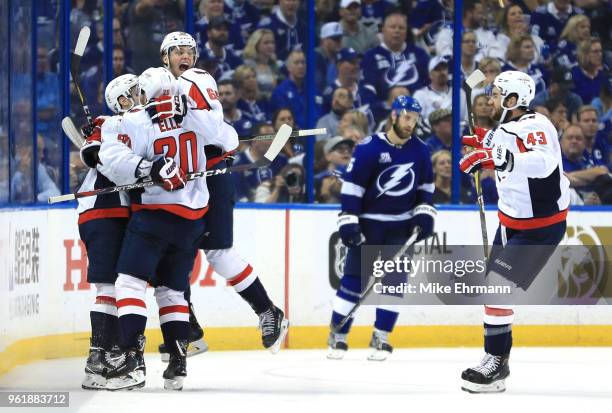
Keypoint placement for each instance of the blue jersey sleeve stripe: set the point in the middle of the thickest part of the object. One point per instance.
(349, 188)
(427, 188)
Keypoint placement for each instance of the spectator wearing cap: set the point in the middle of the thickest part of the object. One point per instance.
(331, 42)
(248, 181)
(560, 87)
(595, 140)
(347, 67)
(342, 101)
(291, 92)
(395, 62)
(217, 49)
(548, 20)
(288, 27)
(209, 9)
(438, 94)
(251, 101)
(577, 29)
(229, 95)
(441, 125)
(473, 20)
(590, 73)
(337, 151)
(520, 56)
(356, 35)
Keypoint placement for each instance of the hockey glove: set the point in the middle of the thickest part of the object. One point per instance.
(91, 147)
(167, 171)
(350, 231)
(498, 158)
(167, 106)
(480, 139)
(424, 219)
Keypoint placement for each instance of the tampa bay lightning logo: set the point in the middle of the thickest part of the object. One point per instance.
(403, 73)
(396, 180)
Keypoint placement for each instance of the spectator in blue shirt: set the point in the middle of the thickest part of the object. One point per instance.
(441, 125)
(549, 20)
(559, 87)
(590, 74)
(251, 101)
(242, 14)
(577, 29)
(217, 47)
(292, 92)
(331, 42)
(209, 9)
(288, 27)
(520, 55)
(228, 95)
(374, 11)
(596, 142)
(395, 62)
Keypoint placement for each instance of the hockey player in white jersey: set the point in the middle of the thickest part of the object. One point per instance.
(161, 239)
(533, 204)
(179, 54)
(102, 222)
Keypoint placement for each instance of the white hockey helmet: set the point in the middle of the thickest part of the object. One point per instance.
(518, 83)
(157, 81)
(176, 39)
(120, 86)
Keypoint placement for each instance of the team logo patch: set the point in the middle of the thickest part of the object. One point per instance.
(396, 180)
(385, 157)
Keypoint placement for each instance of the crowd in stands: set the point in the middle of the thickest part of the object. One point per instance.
(367, 53)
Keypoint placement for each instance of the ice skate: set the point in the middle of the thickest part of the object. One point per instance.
(196, 343)
(175, 373)
(273, 326)
(381, 349)
(488, 377)
(130, 371)
(337, 346)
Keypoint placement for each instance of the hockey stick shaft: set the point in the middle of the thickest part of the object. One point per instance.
(294, 134)
(475, 78)
(277, 144)
(409, 242)
(75, 64)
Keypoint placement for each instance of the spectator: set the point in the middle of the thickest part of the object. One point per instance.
(353, 133)
(589, 76)
(395, 62)
(243, 15)
(119, 67)
(288, 27)
(292, 92)
(331, 42)
(364, 95)
(342, 101)
(374, 11)
(549, 20)
(285, 116)
(520, 56)
(560, 87)
(264, 7)
(558, 114)
(251, 100)
(603, 103)
(210, 9)
(259, 53)
(595, 141)
(473, 17)
(468, 54)
(21, 179)
(543, 110)
(286, 187)
(217, 47)
(338, 151)
(513, 24)
(491, 67)
(580, 174)
(577, 29)
(356, 35)
(443, 171)
(118, 39)
(149, 21)
(248, 181)
(428, 16)
(483, 112)
(353, 118)
(442, 138)
(47, 96)
(438, 94)
(229, 95)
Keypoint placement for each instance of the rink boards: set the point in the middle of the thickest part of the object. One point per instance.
(45, 299)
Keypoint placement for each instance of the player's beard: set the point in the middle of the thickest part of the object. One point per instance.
(403, 135)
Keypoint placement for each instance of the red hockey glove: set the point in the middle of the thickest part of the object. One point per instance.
(91, 147)
(167, 106)
(478, 139)
(167, 171)
(91, 128)
(498, 158)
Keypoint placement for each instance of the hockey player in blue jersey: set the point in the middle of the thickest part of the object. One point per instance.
(386, 195)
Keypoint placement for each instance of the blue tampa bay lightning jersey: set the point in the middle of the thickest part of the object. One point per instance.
(384, 182)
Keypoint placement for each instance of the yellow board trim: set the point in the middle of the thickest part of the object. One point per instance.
(314, 337)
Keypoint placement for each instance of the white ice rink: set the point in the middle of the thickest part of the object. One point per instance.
(555, 380)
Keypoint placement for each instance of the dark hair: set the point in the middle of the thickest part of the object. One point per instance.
(256, 129)
(225, 82)
(278, 111)
(469, 5)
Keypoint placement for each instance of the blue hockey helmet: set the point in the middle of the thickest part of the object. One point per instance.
(407, 103)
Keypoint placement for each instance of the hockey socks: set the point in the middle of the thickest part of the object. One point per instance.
(103, 317)
(131, 309)
(497, 339)
(255, 294)
(385, 319)
(347, 296)
(173, 315)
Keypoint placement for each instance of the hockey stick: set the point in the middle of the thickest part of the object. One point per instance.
(411, 240)
(75, 64)
(294, 134)
(282, 136)
(470, 83)
(72, 132)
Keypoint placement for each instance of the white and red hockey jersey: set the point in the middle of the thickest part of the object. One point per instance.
(115, 205)
(535, 193)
